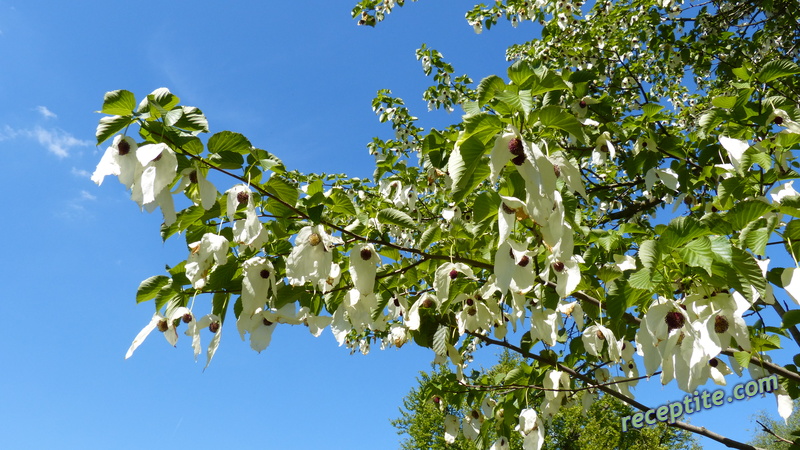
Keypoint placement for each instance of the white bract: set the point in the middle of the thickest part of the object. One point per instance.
(311, 259)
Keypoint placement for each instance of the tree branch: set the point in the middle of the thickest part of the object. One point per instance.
(685, 426)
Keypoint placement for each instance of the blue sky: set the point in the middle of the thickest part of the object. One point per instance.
(298, 83)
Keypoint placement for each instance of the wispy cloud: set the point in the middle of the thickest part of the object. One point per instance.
(55, 140)
(58, 141)
(46, 113)
(75, 208)
(80, 173)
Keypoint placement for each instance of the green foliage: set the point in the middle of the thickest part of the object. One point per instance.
(421, 421)
(630, 169)
(772, 434)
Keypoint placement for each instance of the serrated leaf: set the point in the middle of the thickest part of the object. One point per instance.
(192, 119)
(487, 89)
(520, 72)
(228, 141)
(516, 101)
(555, 117)
(341, 203)
(641, 279)
(749, 273)
(432, 234)
(721, 248)
(393, 216)
(742, 73)
(776, 69)
(440, 340)
(485, 206)
(697, 253)
(282, 189)
(148, 289)
(651, 109)
(220, 277)
(756, 239)
(682, 230)
(166, 294)
(743, 213)
(724, 102)
(483, 126)
(743, 358)
(226, 160)
(109, 126)
(755, 156)
(790, 318)
(649, 254)
(119, 103)
(463, 162)
(219, 304)
(514, 376)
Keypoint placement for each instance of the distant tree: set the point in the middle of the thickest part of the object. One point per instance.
(777, 434)
(422, 421)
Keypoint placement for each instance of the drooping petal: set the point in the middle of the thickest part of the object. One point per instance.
(137, 341)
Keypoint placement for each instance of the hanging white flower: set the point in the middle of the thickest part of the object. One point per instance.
(311, 258)
(119, 159)
(364, 262)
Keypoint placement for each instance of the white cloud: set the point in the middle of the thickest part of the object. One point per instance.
(55, 140)
(85, 195)
(58, 141)
(81, 173)
(46, 113)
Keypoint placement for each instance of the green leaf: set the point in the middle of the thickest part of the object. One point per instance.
(119, 103)
(109, 126)
(721, 249)
(724, 102)
(393, 216)
(790, 318)
(651, 109)
(742, 73)
(649, 254)
(755, 156)
(482, 127)
(743, 358)
(162, 98)
(641, 279)
(341, 203)
(745, 212)
(514, 376)
(226, 160)
(440, 340)
(749, 272)
(167, 294)
(485, 206)
(776, 69)
(488, 87)
(544, 81)
(228, 141)
(223, 275)
(148, 289)
(432, 234)
(219, 304)
(520, 72)
(462, 164)
(791, 236)
(282, 189)
(556, 117)
(682, 230)
(697, 253)
(192, 119)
